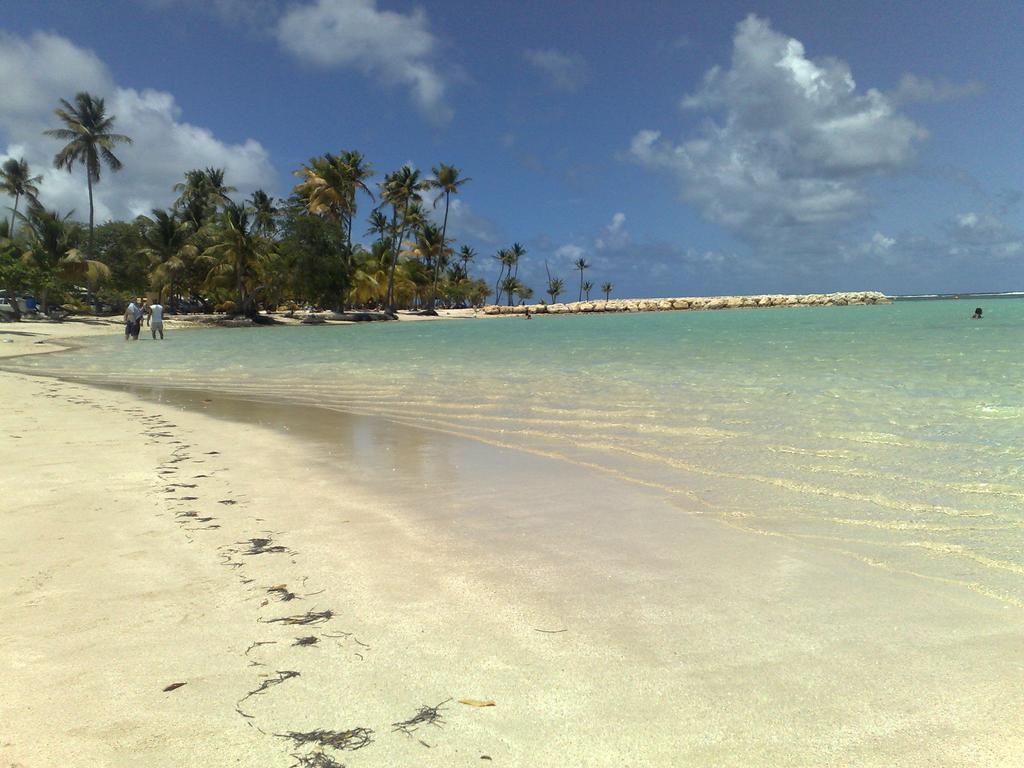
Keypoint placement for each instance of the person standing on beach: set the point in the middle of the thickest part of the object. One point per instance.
(156, 324)
(132, 320)
(146, 310)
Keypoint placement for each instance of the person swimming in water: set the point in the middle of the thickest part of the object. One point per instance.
(977, 314)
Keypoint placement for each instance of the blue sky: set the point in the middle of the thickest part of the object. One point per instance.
(682, 148)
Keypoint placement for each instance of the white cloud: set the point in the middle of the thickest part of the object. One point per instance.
(983, 235)
(564, 71)
(787, 146)
(920, 89)
(44, 68)
(614, 236)
(569, 252)
(251, 12)
(397, 48)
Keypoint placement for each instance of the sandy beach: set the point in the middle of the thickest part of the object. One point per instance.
(301, 588)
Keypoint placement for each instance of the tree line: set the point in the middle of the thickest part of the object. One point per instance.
(212, 251)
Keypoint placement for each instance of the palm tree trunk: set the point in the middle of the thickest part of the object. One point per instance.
(497, 293)
(581, 285)
(88, 178)
(444, 230)
(14, 213)
(394, 258)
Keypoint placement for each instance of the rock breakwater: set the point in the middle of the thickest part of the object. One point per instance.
(695, 303)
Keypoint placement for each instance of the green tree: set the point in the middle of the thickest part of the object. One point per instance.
(466, 255)
(90, 142)
(581, 264)
(310, 245)
(400, 190)
(556, 286)
(166, 242)
(264, 212)
(430, 247)
(238, 254)
(606, 289)
(587, 288)
(203, 192)
(17, 181)
(51, 247)
(446, 179)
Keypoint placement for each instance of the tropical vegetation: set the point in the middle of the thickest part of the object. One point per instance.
(212, 251)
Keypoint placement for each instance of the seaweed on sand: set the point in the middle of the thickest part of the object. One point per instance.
(270, 682)
(262, 547)
(425, 716)
(282, 591)
(304, 619)
(309, 640)
(316, 760)
(357, 738)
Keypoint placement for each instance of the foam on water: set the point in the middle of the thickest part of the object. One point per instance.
(888, 433)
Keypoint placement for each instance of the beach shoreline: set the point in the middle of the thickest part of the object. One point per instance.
(666, 647)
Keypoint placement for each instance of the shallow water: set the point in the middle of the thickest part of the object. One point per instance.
(890, 434)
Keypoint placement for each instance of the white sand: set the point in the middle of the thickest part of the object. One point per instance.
(685, 643)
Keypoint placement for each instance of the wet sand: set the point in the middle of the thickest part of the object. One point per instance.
(159, 538)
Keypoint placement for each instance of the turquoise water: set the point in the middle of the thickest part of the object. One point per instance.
(888, 433)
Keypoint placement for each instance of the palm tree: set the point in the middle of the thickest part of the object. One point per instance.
(432, 249)
(606, 289)
(238, 254)
(264, 212)
(16, 180)
(511, 286)
(505, 260)
(201, 194)
(516, 252)
(446, 178)
(555, 287)
(400, 190)
(378, 225)
(357, 171)
(329, 187)
(587, 288)
(581, 264)
(166, 243)
(89, 141)
(466, 255)
(52, 247)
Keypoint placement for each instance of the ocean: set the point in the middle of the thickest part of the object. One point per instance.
(887, 434)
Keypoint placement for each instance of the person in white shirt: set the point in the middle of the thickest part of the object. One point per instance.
(132, 320)
(156, 318)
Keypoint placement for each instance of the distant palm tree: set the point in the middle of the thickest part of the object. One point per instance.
(446, 178)
(504, 259)
(329, 187)
(16, 180)
(516, 252)
(89, 141)
(238, 254)
(466, 255)
(581, 264)
(431, 248)
(587, 288)
(400, 190)
(606, 289)
(52, 247)
(357, 170)
(510, 286)
(378, 225)
(264, 211)
(555, 287)
(166, 243)
(202, 193)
